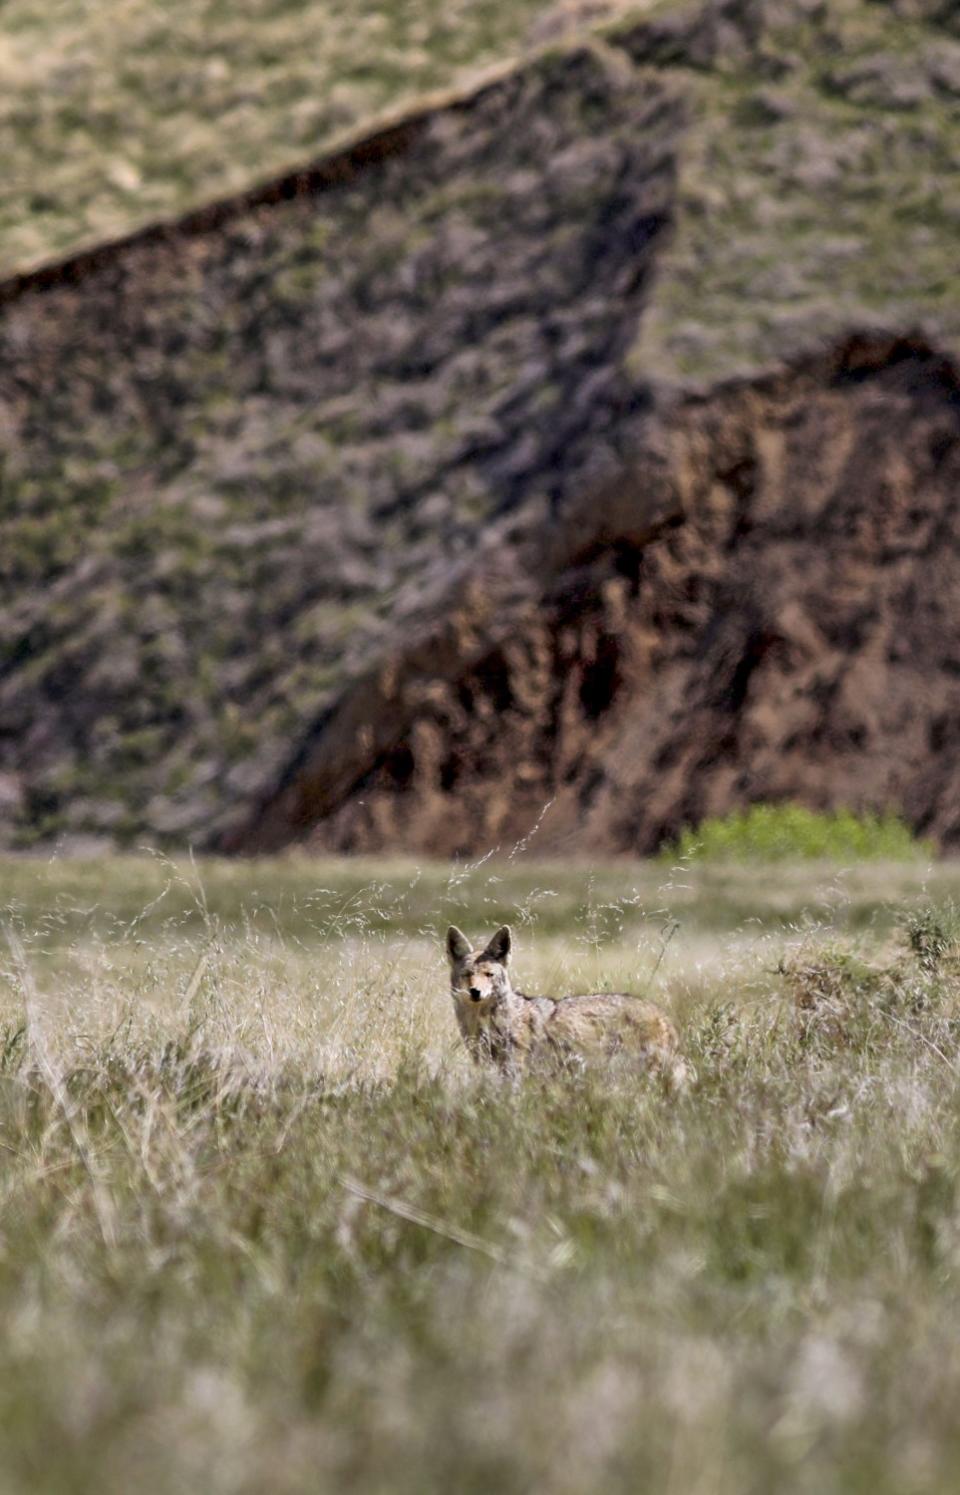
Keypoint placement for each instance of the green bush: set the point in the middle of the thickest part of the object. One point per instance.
(776, 832)
(933, 934)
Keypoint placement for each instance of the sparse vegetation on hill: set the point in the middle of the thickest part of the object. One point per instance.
(114, 113)
(263, 1227)
(240, 459)
(321, 478)
(821, 189)
(828, 137)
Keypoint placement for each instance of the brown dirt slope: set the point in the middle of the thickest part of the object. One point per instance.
(765, 607)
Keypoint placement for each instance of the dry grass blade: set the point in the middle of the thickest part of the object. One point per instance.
(101, 1199)
(922, 1038)
(193, 986)
(465, 1238)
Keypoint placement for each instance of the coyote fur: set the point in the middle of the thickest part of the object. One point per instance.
(512, 1030)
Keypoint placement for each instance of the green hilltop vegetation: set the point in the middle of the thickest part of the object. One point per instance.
(114, 114)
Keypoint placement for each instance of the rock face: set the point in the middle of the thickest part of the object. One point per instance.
(362, 510)
(786, 630)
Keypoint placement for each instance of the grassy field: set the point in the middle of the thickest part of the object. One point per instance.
(263, 1227)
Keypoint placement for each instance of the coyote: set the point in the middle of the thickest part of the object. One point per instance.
(512, 1030)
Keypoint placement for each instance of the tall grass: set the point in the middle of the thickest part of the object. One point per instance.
(262, 1226)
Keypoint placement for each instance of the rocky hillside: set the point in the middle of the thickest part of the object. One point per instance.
(543, 448)
(767, 611)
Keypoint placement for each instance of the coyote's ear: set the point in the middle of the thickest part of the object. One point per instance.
(499, 946)
(458, 946)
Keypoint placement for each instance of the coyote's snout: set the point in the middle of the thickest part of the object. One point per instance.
(511, 1029)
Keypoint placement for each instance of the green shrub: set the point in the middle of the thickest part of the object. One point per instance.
(776, 832)
(933, 934)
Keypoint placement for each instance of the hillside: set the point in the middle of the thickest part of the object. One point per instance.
(117, 112)
(773, 616)
(590, 437)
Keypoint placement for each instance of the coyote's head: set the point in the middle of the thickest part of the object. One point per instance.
(478, 978)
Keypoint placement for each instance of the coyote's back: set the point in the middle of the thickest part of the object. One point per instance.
(511, 1029)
